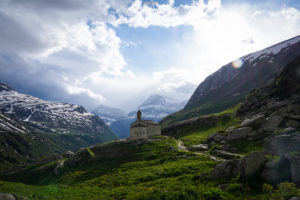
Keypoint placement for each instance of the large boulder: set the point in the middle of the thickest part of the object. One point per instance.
(254, 122)
(246, 167)
(272, 123)
(251, 164)
(277, 171)
(295, 168)
(7, 196)
(239, 133)
(225, 169)
(283, 144)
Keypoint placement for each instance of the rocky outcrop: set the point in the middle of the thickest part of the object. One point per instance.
(7, 196)
(277, 171)
(226, 169)
(246, 167)
(295, 168)
(254, 122)
(286, 169)
(251, 164)
(238, 133)
(282, 144)
(272, 123)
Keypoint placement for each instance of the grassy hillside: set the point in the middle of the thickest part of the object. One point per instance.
(158, 170)
(155, 168)
(208, 108)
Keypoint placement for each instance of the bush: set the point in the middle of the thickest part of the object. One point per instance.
(285, 190)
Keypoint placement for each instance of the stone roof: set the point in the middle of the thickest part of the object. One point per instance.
(143, 123)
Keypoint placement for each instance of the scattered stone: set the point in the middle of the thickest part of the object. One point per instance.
(272, 123)
(251, 164)
(199, 147)
(225, 169)
(238, 133)
(7, 196)
(225, 154)
(282, 144)
(254, 122)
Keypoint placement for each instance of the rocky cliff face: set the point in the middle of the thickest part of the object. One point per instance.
(270, 115)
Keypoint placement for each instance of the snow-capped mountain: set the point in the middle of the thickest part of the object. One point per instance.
(8, 124)
(57, 117)
(109, 114)
(153, 108)
(157, 107)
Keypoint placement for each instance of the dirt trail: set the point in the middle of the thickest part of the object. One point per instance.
(182, 147)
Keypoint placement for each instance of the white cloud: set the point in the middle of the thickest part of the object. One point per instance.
(53, 41)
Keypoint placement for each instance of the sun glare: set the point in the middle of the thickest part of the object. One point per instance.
(237, 63)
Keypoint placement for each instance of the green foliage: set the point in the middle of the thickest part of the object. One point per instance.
(285, 191)
(198, 134)
(246, 147)
(204, 109)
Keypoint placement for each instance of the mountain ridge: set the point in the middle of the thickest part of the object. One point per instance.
(230, 84)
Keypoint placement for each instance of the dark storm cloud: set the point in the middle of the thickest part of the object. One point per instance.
(40, 80)
(54, 4)
(16, 37)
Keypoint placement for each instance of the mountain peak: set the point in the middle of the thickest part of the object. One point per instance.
(154, 99)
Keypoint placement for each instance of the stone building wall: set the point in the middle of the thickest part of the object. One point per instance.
(144, 132)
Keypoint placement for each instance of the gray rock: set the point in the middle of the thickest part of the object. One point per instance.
(225, 154)
(251, 164)
(238, 133)
(276, 172)
(295, 198)
(7, 196)
(293, 123)
(295, 169)
(68, 154)
(253, 133)
(289, 130)
(219, 137)
(272, 123)
(254, 122)
(282, 144)
(225, 169)
(297, 117)
(199, 147)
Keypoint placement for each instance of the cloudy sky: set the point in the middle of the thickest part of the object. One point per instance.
(118, 52)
